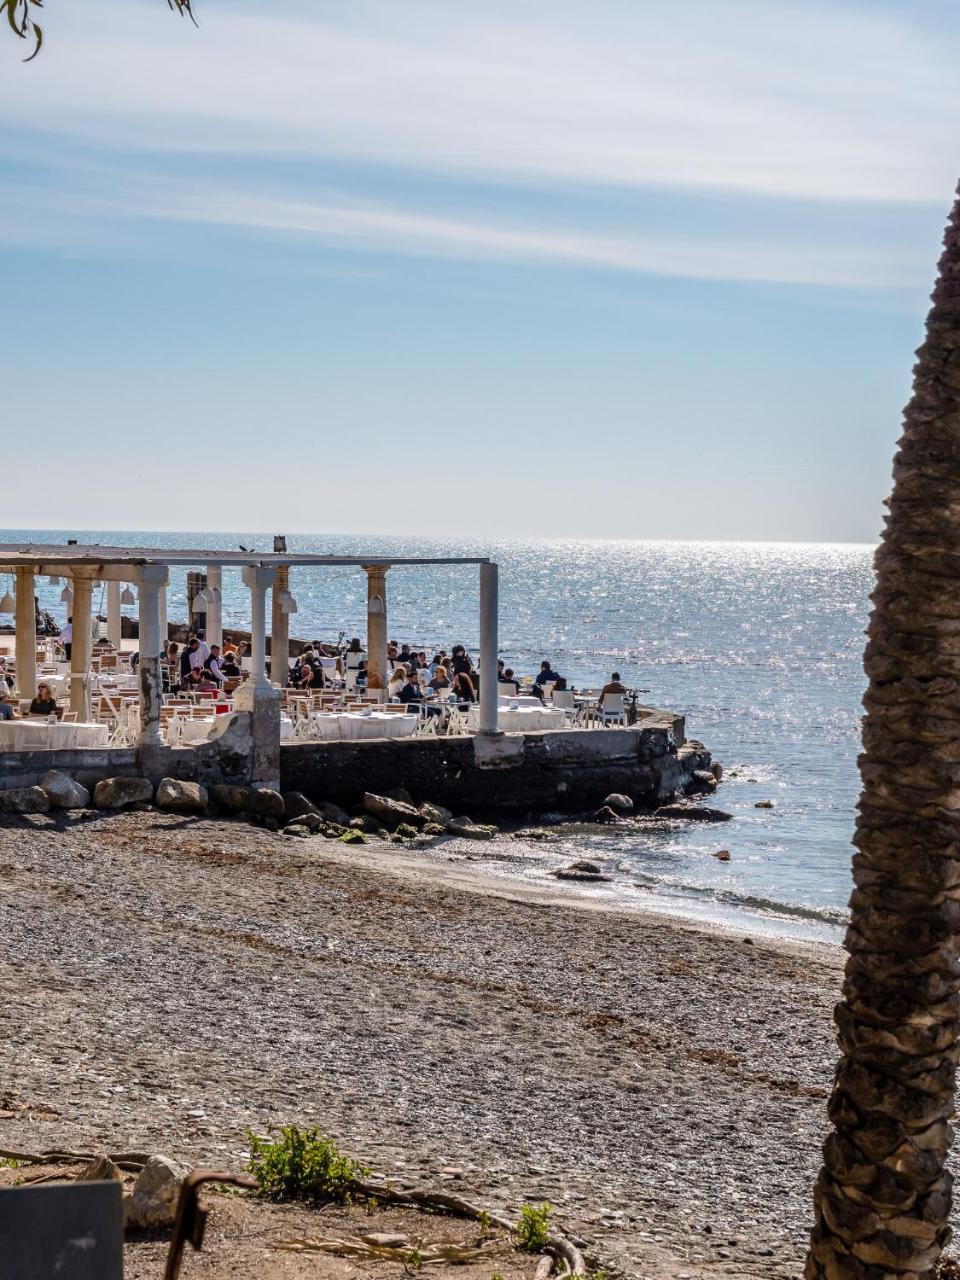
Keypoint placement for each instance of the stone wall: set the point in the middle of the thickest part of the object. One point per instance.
(516, 773)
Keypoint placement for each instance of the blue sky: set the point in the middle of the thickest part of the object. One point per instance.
(538, 267)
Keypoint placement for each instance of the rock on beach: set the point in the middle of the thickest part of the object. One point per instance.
(117, 793)
(64, 792)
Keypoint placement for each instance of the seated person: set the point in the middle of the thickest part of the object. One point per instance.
(214, 664)
(205, 682)
(44, 704)
(506, 676)
(463, 688)
(546, 673)
(228, 666)
(613, 687)
(6, 706)
(397, 681)
(411, 693)
(361, 679)
(439, 683)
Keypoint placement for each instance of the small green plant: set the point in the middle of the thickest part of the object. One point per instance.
(302, 1164)
(9, 1162)
(415, 1260)
(533, 1226)
(483, 1218)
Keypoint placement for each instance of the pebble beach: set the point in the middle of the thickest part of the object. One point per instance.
(170, 983)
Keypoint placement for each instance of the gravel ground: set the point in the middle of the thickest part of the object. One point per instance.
(168, 983)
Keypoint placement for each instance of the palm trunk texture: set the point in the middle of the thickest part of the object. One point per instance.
(883, 1196)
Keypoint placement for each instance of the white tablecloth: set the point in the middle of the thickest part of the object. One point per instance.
(524, 719)
(197, 729)
(348, 726)
(37, 735)
(523, 700)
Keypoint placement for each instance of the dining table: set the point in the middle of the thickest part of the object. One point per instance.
(40, 735)
(350, 726)
(519, 719)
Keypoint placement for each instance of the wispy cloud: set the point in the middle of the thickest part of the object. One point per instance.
(834, 102)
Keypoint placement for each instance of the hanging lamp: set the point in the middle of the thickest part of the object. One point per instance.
(8, 603)
(66, 596)
(127, 596)
(286, 601)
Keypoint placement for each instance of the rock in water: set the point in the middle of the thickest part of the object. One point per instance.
(153, 1201)
(695, 812)
(24, 800)
(181, 797)
(592, 868)
(605, 816)
(392, 812)
(63, 792)
(584, 877)
(618, 803)
(116, 793)
(764, 804)
(722, 855)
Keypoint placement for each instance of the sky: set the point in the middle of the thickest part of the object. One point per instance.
(559, 268)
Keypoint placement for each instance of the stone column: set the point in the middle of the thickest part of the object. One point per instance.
(214, 628)
(279, 630)
(378, 669)
(25, 626)
(489, 592)
(82, 641)
(114, 613)
(164, 628)
(257, 695)
(153, 590)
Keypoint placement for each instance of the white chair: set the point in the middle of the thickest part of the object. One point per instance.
(612, 711)
(563, 701)
(507, 689)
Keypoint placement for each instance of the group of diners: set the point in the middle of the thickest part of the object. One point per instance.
(200, 667)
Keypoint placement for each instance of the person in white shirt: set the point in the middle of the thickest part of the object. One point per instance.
(66, 638)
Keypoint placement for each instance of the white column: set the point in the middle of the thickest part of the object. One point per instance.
(114, 613)
(164, 629)
(378, 669)
(259, 581)
(489, 592)
(25, 626)
(214, 629)
(153, 590)
(279, 631)
(82, 615)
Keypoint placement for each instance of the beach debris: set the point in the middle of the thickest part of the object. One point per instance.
(605, 816)
(117, 793)
(101, 1169)
(436, 813)
(369, 1246)
(765, 804)
(471, 830)
(24, 800)
(392, 812)
(619, 803)
(153, 1201)
(693, 812)
(181, 797)
(722, 855)
(64, 792)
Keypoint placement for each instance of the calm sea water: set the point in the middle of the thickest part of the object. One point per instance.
(759, 645)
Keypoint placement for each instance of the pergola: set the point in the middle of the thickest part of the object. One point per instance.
(149, 567)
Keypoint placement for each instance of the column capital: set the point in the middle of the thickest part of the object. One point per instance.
(256, 577)
(153, 575)
(371, 569)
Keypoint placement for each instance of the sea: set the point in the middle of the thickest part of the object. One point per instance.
(759, 645)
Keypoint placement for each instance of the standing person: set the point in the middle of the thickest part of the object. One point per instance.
(189, 660)
(66, 639)
(461, 663)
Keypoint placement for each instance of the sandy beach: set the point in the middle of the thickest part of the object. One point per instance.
(168, 983)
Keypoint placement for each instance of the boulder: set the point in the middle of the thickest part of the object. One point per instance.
(297, 806)
(297, 829)
(264, 803)
(436, 813)
(716, 768)
(353, 837)
(63, 792)
(584, 877)
(722, 855)
(153, 1202)
(117, 793)
(232, 799)
(702, 782)
(534, 833)
(401, 794)
(333, 813)
(391, 812)
(605, 816)
(24, 800)
(591, 868)
(618, 803)
(406, 831)
(366, 822)
(693, 812)
(433, 829)
(333, 830)
(312, 821)
(765, 804)
(181, 797)
(471, 830)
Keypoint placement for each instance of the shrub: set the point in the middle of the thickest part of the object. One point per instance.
(302, 1164)
(533, 1229)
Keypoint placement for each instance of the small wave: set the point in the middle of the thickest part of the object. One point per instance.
(835, 916)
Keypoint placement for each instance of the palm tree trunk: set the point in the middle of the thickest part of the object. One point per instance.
(883, 1196)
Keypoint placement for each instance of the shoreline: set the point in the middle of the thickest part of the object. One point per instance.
(171, 983)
